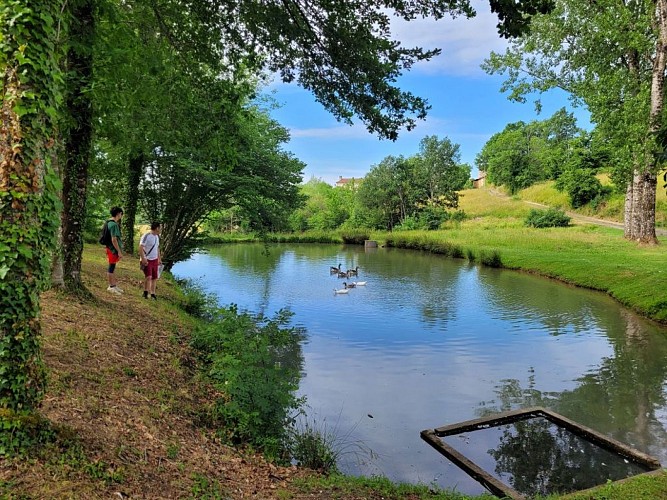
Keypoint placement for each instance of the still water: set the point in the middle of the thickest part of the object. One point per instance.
(431, 341)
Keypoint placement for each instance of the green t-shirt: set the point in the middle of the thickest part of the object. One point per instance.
(114, 230)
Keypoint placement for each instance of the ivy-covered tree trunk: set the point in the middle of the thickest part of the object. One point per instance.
(78, 140)
(135, 171)
(29, 204)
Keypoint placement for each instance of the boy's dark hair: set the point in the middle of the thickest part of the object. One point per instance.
(115, 211)
(155, 225)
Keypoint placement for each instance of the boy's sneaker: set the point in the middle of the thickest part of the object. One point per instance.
(114, 289)
(153, 297)
(119, 289)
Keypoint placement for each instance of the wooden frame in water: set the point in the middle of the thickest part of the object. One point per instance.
(630, 462)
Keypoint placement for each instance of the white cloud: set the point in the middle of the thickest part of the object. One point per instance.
(465, 43)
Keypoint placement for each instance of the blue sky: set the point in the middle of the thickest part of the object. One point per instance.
(466, 103)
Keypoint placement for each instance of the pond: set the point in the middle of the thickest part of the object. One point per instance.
(431, 341)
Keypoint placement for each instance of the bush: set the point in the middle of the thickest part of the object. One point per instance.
(196, 302)
(551, 217)
(581, 185)
(313, 448)
(255, 362)
(491, 259)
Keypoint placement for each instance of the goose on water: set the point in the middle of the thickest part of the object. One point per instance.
(342, 274)
(353, 272)
(333, 269)
(348, 285)
(341, 291)
(359, 283)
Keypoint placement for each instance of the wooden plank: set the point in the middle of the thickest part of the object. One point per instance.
(602, 440)
(495, 486)
(499, 488)
(492, 421)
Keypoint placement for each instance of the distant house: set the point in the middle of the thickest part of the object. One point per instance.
(348, 182)
(480, 181)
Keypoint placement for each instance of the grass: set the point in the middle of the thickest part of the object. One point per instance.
(585, 255)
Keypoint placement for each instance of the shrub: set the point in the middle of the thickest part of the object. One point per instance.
(491, 259)
(313, 448)
(551, 217)
(581, 185)
(355, 237)
(255, 362)
(196, 302)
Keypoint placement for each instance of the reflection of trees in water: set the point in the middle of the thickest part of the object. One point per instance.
(430, 282)
(620, 398)
(556, 307)
(542, 458)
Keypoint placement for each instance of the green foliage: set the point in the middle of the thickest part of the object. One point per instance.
(357, 237)
(523, 154)
(551, 217)
(314, 447)
(325, 208)
(616, 42)
(21, 431)
(196, 302)
(30, 96)
(204, 488)
(255, 362)
(414, 192)
(582, 187)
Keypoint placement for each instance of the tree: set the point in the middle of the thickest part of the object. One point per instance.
(231, 156)
(438, 172)
(510, 157)
(523, 154)
(30, 97)
(611, 56)
(383, 195)
(325, 208)
(78, 136)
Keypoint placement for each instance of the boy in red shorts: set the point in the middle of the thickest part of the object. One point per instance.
(114, 249)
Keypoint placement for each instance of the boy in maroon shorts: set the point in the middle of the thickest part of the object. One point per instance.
(149, 251)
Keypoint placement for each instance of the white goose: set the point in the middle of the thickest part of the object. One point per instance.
(360, 283)
(341, 291)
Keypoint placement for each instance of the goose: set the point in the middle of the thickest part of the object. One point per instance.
(341, 291)
(333, 269)
(348, 285)
(342, 274)
(360, 283)
(353, 272)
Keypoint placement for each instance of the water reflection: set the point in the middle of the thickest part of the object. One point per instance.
(536, 457)
(431, 341)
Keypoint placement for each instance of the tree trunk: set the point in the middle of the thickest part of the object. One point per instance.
(627, 211)
(134, 174)
(644, 182)
(78, 141)
(28, 205)
(57, 274)
(646, 207)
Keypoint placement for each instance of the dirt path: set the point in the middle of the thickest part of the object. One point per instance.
(584, 219)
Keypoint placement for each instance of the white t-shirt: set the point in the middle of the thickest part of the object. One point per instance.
(151, 244)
